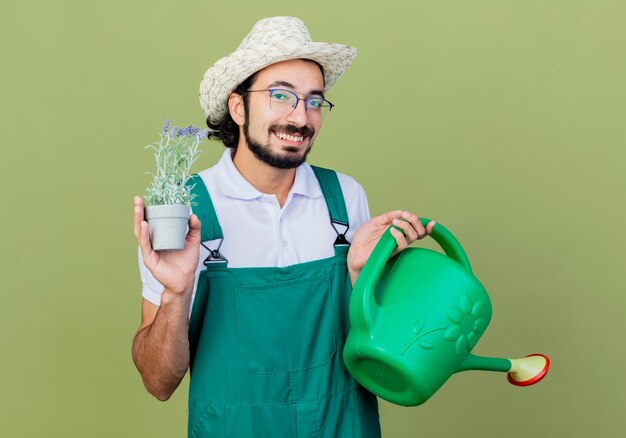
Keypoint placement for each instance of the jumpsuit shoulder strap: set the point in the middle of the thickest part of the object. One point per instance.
(204, 209)
(331, 189)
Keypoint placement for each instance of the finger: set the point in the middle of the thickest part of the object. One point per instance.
(388, 217)
(410, 234)
(430, 226)
(137, 215)
(416, 223)
(195, 228)
(138, 208)
(400, 241)
(145, 245)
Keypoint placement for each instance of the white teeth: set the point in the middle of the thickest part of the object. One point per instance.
(287, 137)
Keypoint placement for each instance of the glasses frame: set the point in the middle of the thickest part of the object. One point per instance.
(298, 98)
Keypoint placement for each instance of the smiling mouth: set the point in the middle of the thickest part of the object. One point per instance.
(290, 138)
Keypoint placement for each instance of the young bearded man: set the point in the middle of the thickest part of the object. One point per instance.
(256, 304)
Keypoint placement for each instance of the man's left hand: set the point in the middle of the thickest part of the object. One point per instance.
(368, 235)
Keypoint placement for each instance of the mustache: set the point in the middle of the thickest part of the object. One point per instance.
(304, 131)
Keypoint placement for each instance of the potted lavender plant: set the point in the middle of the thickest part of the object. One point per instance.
(169, 200)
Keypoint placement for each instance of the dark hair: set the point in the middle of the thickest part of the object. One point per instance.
(226, 130)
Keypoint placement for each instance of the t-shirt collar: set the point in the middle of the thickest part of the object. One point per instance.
(234, 185)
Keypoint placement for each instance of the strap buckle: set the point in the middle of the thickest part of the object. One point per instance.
(215, 256)
(341, 237)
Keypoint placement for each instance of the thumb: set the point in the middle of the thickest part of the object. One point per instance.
(195, 228)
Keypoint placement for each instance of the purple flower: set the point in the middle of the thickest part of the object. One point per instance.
(188, 131)
(166, 125)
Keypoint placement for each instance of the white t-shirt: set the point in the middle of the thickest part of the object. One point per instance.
(258, 232)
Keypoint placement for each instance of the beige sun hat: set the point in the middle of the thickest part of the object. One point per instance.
(271, 40)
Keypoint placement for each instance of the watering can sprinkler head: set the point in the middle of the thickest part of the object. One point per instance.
(528, 370)
(415, 319)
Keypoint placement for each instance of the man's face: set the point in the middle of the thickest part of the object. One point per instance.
(283, 140)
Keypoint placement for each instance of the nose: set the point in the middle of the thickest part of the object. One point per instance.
(299, 114)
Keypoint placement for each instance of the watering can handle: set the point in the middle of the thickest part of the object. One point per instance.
(446, 240)
(440, 234)
(366, 282)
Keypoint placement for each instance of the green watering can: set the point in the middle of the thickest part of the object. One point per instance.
(416, 317)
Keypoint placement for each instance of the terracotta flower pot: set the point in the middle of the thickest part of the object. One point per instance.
(168, 225)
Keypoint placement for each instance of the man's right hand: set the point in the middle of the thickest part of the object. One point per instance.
(175, 270)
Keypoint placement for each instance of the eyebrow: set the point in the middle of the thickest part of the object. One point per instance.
(290, 85)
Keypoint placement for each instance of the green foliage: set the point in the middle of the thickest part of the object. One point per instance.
(174, 153)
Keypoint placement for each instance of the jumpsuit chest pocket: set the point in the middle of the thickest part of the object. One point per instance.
(286, 325)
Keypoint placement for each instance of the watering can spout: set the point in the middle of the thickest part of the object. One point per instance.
(521, 372)
(482, 363)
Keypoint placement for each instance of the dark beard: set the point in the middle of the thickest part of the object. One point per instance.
(263, 152)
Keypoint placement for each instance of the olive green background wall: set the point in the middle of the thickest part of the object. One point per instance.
(503, 120)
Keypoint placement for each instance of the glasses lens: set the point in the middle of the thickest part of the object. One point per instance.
(282, 101)
(318, 107)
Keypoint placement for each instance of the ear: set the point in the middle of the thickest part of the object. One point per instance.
(235, 107)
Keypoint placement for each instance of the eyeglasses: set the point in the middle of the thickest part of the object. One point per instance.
(285, 101)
